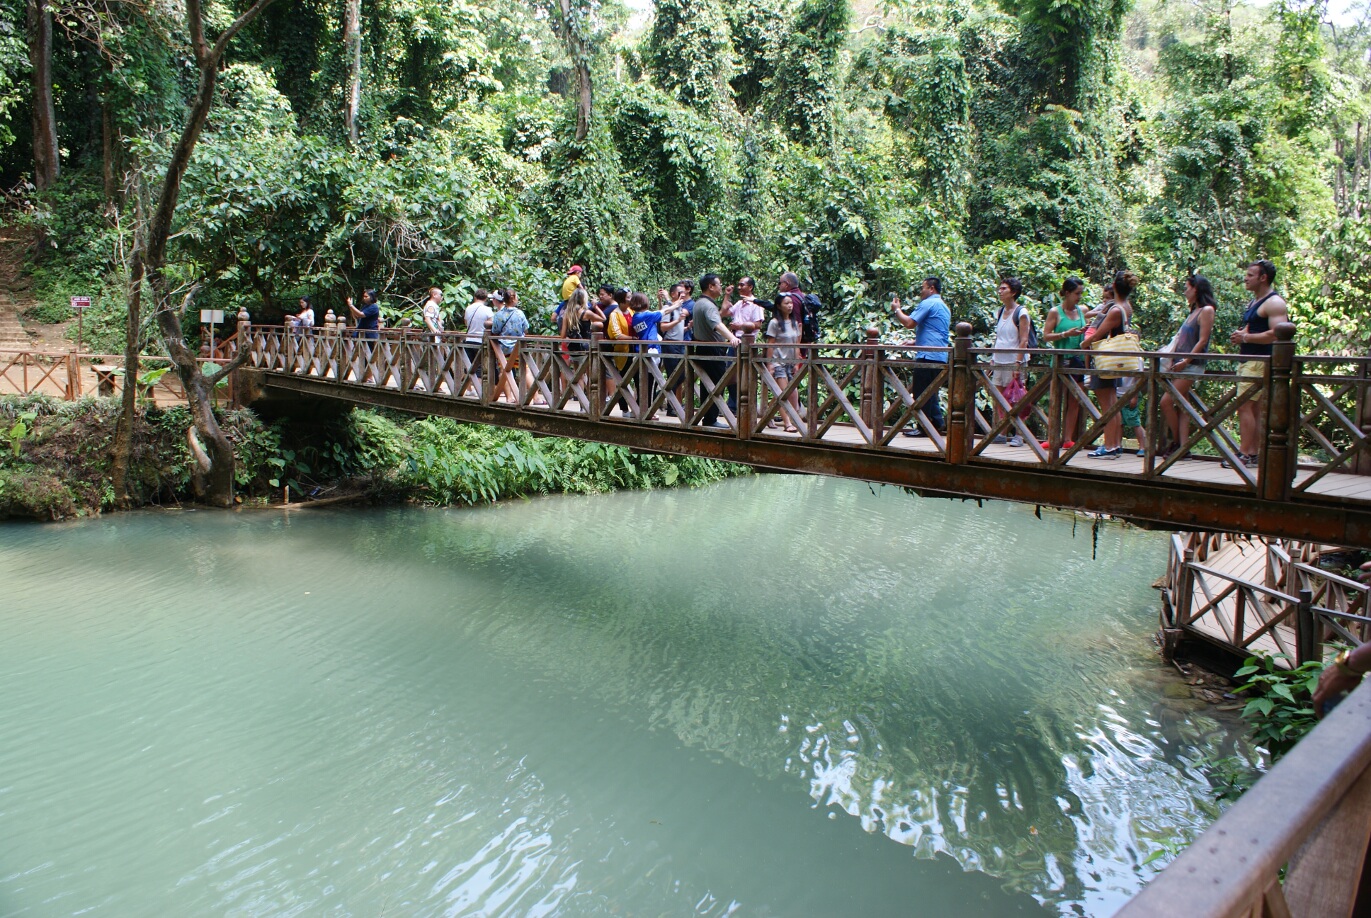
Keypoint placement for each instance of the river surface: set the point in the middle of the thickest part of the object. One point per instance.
(776, 696)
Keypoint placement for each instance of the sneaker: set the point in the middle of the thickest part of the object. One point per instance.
(1104, 453)
(1248, 461)
(1142, 453)
(1044, 444)
(1069, 444)
(914, 432)
(1016, 440)
(1000, 440)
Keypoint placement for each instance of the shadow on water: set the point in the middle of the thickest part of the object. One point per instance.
(771, 696)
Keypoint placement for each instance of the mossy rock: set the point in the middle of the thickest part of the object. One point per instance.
(34, 494)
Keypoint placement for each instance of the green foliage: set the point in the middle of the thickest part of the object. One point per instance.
(19, 430)
(690, 52)
(1280, 709)
(804, 86)
(451, 463)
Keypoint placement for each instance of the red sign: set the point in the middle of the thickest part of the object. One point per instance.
(80, 302)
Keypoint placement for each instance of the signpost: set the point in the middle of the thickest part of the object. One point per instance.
(211, 317)
(80, 304)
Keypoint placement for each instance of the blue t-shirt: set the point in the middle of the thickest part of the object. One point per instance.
(371, 319)
(645, 326)
(934, 322)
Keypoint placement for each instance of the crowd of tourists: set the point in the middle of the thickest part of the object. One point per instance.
(716, 316)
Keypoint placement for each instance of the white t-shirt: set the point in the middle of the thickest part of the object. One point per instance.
(477, 314)
(778, 337)
(1007, 335)
(432, 315)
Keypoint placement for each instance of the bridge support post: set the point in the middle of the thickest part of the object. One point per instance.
(1362, 463)
(871, 385)
(1056, 416)
(406, 362)
(1306, 630)
(960, 398)
(747, 386)
(1184, 601)
(1278, 452)
(490, 366)
(595, 378)
(243, 336)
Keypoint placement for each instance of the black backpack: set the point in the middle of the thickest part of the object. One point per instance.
(809, 322)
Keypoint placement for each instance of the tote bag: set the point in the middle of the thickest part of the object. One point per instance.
(1118, 356)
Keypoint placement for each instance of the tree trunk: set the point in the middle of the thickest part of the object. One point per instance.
(109, 142)
(128, 407)
(352, 41)
(46, 164)
(150, 259)
(566, 29)
(217, 480)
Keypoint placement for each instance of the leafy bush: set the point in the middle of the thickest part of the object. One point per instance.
(1281, 708)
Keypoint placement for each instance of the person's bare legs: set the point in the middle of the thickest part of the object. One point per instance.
(1113, 428)
(1249, 427)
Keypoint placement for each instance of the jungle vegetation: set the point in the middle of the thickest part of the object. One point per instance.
(210, 154)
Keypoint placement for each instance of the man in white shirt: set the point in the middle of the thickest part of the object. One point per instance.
(746, 315)
(476, 316)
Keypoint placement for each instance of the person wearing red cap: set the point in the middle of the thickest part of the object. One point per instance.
(573, 280)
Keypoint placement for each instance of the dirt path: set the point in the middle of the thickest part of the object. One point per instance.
(16, 298)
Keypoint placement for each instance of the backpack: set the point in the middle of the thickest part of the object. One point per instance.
(1032, 326)
(809, 321)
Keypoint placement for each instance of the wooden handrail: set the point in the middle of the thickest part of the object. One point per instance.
(1314, 803)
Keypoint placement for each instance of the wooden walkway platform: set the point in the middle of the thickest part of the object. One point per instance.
(1250, 595)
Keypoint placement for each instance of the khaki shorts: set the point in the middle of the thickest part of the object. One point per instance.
(1003, 373)
(1254, 370)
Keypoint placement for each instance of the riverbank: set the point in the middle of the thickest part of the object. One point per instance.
(55, 464)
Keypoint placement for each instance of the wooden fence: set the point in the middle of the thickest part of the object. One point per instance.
(70, 375)
(1253, 595)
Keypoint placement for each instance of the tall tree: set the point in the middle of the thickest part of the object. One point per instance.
(690, 51)
(214, 452)
(804, 87)
(572, 22)
(352, 42)
(46, 163)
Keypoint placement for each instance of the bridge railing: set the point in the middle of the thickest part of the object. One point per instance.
(1313, 416)
(1295, 607)
(70, 375)
(1307, 816)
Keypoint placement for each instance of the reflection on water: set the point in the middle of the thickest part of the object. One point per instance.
(774, 696)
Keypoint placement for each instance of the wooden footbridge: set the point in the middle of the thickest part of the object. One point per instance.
(845, 409)
(1294, 845)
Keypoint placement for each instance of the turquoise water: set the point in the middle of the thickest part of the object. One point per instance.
(773, 696)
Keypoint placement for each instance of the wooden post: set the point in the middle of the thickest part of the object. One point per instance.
(961, 403)
(596, 377)
(1361, 465)
(1278, 452)
(244, 334)
(290, 350)
(1185, 587)
(1306, 630)
(871, 384)
(1056, 410)
(333, 338)
(490, 371)
(747, 412)
(406, 365)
